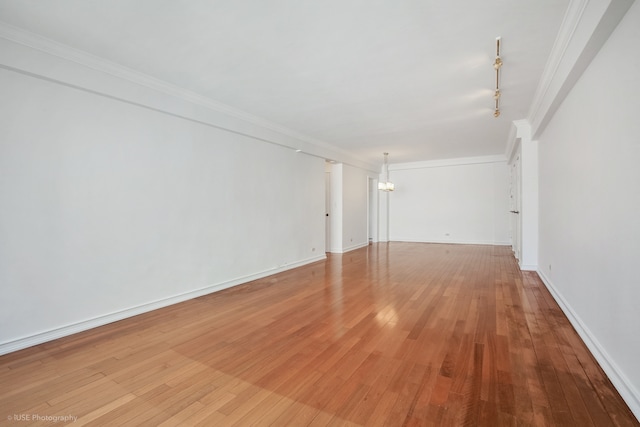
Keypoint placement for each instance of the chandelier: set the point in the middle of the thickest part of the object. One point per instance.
(385, 185)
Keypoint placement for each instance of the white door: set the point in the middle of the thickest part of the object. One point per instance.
(514, 206)
(372, 214)
(327, 210)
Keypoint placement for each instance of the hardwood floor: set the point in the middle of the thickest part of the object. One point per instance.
(397, 334)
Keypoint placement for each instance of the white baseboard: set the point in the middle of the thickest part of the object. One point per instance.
(349, 248)
(528, 267)
(50, 335)
(451, 242)
(619, 380)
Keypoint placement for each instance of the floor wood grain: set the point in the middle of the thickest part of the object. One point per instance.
(398, 334)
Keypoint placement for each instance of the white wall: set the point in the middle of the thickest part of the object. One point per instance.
(590, 206)
(335, 214)
(355, 208)
(529, 205)
(349, 207)
(462, 201)
(109, 208)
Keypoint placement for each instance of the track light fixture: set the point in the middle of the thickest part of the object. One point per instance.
(497, 65)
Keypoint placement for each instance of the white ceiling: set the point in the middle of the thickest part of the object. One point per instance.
(411, 77)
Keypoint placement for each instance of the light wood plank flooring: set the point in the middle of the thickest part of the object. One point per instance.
(397, 334)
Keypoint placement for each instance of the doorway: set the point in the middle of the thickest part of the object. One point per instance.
(372, 209)
(327, 207)
(515, 203)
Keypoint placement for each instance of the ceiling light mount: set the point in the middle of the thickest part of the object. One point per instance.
(497, 65)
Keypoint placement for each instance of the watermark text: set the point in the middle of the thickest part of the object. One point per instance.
(53, 419)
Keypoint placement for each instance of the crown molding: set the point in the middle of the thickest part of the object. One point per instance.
(293, 139)
(449, 162)
(585, 28)
(567, 30)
